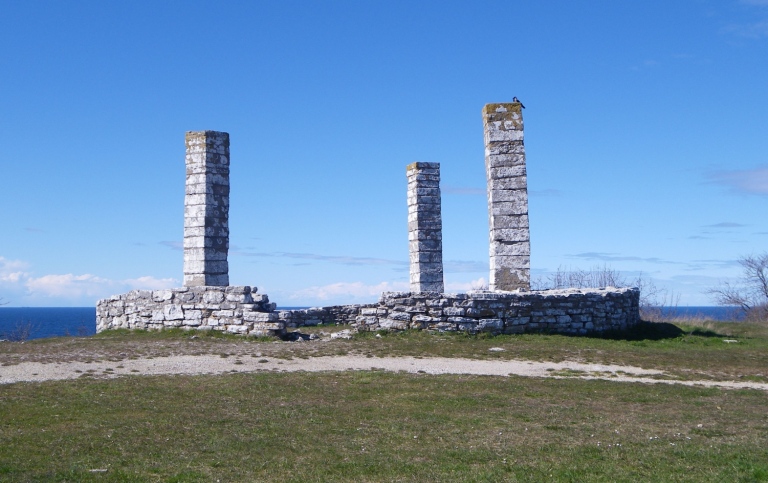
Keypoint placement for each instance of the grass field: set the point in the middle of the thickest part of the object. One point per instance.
(377, 426)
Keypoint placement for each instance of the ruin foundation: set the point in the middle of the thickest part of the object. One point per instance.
(239, 310)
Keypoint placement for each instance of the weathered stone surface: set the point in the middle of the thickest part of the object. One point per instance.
(507, 197)
(425, 227)
(573, 311)
(521, 249)
(206, 209)
(196, 307)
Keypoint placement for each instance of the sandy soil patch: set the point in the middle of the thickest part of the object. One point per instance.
(213, 364)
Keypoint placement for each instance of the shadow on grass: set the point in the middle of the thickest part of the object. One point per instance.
(654, 331)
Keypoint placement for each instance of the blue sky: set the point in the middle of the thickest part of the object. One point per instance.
(646, 139)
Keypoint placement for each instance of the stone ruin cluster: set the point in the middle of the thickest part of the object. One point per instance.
(207, 302)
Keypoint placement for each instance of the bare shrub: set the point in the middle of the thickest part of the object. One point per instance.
(479, 284)
(656, 304)
(750, 292)
(599, 276)
(21, 332)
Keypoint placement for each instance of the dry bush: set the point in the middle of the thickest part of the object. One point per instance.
(750, 292)
(656, 304)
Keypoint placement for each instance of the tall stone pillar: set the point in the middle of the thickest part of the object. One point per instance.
(425, 227)
(206, 209)
(510, 240)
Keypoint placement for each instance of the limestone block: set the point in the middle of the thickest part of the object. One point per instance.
(173, 312)
(366, 320)
(519, 196)
(520, 182)
(506, 160)
(210, 253)
(426, 278)
(497, 148)
(445, 326)
(497, 173)
(510, 222)
(430, 216)
(417, 235)
(454, 311)
(425, 319)
(393, 324)
(162, 295)
(503, 208)
(261, 317)
(461, 320)
(519, 249)
(427, 257)
(496, 134)
(425, 245)
(400, 316)
(212, 267)
(417, 224)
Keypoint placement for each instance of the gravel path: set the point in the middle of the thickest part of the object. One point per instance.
(214, 364)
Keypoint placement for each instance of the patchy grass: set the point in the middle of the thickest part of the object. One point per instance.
(695, 351)
(377, 426)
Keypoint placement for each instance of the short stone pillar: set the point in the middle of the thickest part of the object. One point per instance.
(510, 240)
(425, 227)
(206, 209)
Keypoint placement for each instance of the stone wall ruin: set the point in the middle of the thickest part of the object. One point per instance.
(207, 302)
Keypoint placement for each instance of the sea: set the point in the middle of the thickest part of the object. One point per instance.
(40, 322)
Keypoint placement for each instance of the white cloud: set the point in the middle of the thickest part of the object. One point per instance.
(750, 181)
(11, 270)
(754, 30)
(461, 287)
(68, 285)
(150, 283)
(757, 3)
(344, 293)
(21, 287)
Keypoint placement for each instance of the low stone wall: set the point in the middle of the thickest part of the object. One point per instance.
(572, 311)
(336, 314)
(237, 309)
(240, 310)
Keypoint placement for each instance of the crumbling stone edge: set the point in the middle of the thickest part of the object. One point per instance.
(241, 310)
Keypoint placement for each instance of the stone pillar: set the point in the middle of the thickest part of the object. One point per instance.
(425, 227)
(206, 209)
(510, 240)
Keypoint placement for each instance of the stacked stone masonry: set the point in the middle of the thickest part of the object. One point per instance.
(425, 227)
(510, 247)
(240, 310)
(334, 315)
(573, 311)
(236, 309)
(206, 209)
